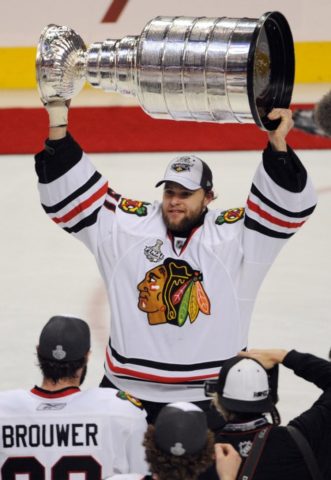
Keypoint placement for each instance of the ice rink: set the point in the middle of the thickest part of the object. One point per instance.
(45, 272)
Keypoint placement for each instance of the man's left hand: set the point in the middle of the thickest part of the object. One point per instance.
(277, 137)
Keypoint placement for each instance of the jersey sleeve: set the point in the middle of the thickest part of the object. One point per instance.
(73, 194)
(281, 200)
(135, 449)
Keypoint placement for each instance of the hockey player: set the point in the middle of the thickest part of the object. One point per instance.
(56, 429)
(181, 279)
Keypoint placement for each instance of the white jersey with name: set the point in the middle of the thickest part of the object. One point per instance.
(178, 310)
(47, 436)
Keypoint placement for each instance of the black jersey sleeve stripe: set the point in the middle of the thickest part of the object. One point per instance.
(86, 222)
(113, 194)
(57, 158)
(288, 213)
(84, 188)
(110, 206)
(254, 225)
(164, 366)
(192, 383)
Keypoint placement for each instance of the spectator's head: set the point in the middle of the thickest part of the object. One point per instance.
(323, 113)
(243, 389)
(63, 348)
(179, 446)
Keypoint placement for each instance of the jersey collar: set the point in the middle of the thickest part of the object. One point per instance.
(63, 392)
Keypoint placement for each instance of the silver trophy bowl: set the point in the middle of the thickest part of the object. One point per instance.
(60, 64)
(224, 70)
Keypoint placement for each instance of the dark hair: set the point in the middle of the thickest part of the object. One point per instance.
(54, 370)
(170, 467)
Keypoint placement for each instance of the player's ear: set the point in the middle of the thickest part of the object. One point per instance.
(209, 197)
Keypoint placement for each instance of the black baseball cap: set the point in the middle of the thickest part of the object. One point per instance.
(181, 429)
(64, 339)
(189, 171)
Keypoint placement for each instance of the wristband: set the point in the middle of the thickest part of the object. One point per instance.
(58, 114)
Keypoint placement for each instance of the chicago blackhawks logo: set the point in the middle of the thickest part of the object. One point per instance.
(126, 396)
(135, 207)
(230, 216)
(171, 293)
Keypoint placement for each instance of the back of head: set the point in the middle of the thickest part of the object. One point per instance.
(181, 429)
(323, 114)
(243, 386)
(179, 446)
(64, 339)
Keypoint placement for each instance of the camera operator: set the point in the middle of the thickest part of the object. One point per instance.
(242, 395)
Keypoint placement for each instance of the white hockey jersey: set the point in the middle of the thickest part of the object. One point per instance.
(46, 436)
(176, 314)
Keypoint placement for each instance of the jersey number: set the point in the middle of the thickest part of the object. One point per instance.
(31, 466)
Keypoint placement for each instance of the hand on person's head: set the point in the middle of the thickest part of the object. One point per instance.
(267, 357)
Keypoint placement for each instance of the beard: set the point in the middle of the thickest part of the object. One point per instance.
(186, 224)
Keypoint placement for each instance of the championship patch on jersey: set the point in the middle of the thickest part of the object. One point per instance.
(153, 252)
(126, 396)
(230, 216)
(172, 293)
(135, 207)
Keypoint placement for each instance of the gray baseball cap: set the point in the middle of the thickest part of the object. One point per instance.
(189, 171)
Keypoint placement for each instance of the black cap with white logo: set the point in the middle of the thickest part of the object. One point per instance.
(181, 429)
(64, 339)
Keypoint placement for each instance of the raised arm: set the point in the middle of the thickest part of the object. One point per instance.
(72, 192)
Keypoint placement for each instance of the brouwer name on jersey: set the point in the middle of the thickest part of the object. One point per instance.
(230, 216)
(50, 435)
(172, 292)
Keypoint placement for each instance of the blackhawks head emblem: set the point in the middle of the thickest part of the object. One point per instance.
(230, 216)
(172, 293)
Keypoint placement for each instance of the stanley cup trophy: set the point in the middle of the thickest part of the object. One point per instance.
(223, 70)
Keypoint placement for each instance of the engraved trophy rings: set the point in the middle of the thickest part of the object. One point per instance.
(224, 70)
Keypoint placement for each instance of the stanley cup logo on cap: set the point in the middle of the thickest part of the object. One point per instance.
(58, 353)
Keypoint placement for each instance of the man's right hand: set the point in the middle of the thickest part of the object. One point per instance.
(267, 358)
(58, 118)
